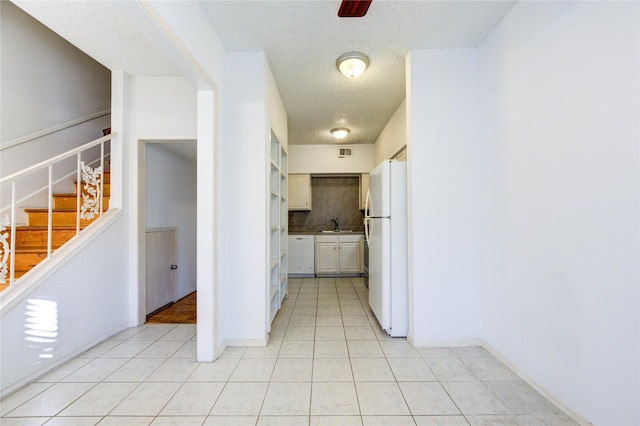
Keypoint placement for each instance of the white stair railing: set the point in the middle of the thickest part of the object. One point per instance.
(89, 201)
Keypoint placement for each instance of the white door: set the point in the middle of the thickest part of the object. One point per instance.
(160, 260)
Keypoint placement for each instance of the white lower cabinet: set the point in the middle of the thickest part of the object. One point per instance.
(326, 255)
(349, 259)
(338, 254)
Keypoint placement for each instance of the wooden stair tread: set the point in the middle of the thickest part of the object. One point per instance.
(34, 249)
(57, 210)
(64, 195)
(44, 228)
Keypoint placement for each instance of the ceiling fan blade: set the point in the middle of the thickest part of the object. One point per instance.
(353, 8)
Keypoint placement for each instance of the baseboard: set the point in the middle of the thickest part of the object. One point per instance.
(60, 362)
(247, 342)
(438, 343)
(338, 275)
(537, 386)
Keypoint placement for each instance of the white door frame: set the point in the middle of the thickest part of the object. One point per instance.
(139, 222)
(210, 327)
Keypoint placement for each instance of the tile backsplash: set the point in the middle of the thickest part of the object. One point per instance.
(332, 197)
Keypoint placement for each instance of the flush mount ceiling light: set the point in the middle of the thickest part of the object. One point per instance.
(352, 64)
(340, 132)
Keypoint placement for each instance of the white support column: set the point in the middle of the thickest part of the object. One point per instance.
(120, 89)
(209, 325)
(120, 112)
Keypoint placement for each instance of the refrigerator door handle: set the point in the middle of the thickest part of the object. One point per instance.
(366, 229)
(367, 203)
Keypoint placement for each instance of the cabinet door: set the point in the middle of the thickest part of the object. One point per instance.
(299, 192)
(402, 155)
(350, 257)
(364, 189)
(327, 258)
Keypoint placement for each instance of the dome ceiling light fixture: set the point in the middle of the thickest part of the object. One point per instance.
(352, 64)
(340, 132)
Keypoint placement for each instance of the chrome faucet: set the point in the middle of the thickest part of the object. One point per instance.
(337, 228)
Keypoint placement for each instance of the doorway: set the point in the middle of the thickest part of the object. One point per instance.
(168, 202)
(182, 311)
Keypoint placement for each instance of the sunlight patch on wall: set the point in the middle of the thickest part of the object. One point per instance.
(41, 326)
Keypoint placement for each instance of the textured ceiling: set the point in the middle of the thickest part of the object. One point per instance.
(302, 40)
(103, 32)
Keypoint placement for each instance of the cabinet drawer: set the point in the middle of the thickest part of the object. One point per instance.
(326, 238)
(350, 238)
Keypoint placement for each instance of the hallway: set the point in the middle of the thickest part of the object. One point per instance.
(326, 364)
(183, 311)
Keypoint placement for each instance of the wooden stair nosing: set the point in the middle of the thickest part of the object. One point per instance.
(73, 194)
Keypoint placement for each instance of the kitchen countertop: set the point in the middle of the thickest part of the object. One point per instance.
(326, 233)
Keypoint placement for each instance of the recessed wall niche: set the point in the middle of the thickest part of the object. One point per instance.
(332, 197)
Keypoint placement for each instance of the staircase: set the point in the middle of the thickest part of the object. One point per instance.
(31, 241)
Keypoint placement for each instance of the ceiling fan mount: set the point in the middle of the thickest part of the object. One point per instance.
(353, 8)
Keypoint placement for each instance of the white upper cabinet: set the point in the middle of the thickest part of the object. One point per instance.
(299, 192)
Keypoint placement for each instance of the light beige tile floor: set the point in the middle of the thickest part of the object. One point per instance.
(327, 363)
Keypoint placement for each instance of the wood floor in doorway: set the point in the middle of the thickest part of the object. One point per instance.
(182, 311)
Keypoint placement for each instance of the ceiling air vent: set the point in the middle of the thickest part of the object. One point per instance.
(344, 152)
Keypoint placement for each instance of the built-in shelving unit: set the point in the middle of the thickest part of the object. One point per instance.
(278, 220)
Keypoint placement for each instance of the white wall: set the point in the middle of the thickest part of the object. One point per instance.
(163, 106)
(200, 53)
(443, 197)
(45, 80)
(89, 303)
(45, 83)
(274, 108)
(171, 203)
(324, 159)
(251, 102)
(243, 195)
(108, 296)
(559, 95)
(162, 109)
(394, 135)
(183, 33)
(89, 289)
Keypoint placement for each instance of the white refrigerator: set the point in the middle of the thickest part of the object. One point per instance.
(386, 232)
